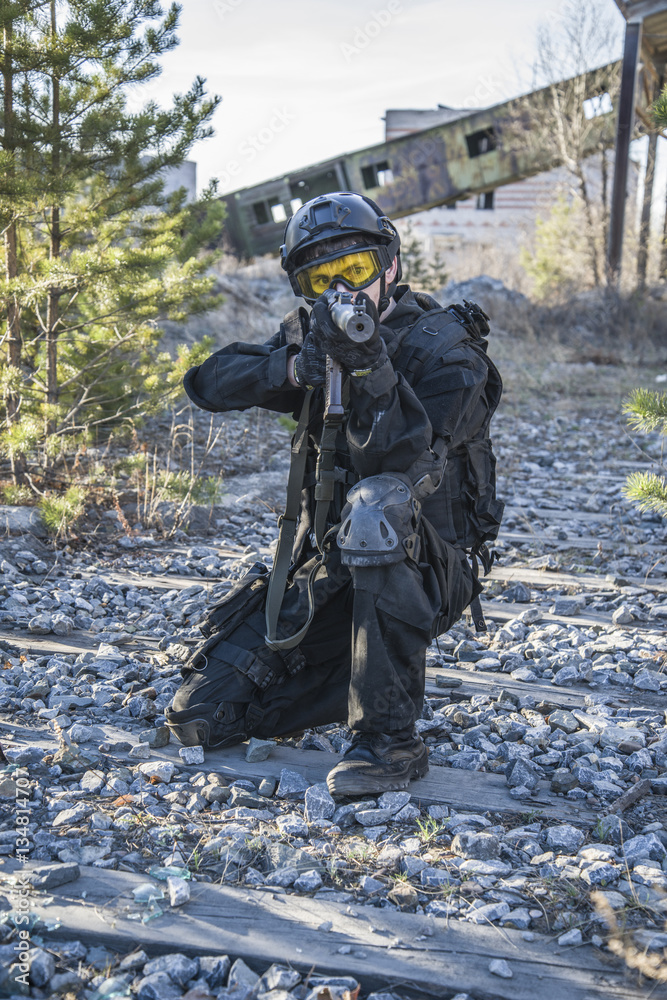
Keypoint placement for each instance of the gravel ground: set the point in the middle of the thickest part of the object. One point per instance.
(100, 798)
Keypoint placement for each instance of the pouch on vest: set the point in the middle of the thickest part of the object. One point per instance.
(244, 605)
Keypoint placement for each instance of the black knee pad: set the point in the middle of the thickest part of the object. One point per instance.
(380, 521)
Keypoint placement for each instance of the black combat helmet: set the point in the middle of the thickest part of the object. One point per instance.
(344, 224)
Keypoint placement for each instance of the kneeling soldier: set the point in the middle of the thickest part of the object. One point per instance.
(386, 493)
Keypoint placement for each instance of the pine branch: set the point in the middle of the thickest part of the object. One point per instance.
(659, 111)
(647, 491)
(647, 410)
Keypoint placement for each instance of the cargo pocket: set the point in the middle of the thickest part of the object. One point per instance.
(411, 595)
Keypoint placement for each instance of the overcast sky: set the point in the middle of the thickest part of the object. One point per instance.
(302, 80)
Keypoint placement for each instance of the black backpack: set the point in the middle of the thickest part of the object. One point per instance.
(469, 512)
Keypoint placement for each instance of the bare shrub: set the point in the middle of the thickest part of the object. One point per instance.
(607, 324)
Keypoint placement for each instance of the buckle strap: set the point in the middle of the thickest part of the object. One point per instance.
(294, 661)
(264, 674)
(253, 716)
(346, 476)
(475, 606)
(477, 615)
(237, 657)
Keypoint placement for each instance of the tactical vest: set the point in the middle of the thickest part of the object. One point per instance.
(464, 509)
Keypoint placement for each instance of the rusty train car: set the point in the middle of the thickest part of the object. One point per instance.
(470, 155)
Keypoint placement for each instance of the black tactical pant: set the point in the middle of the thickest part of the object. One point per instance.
(363, 658)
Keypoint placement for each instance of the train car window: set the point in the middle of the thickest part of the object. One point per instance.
(481, 142)
(278, 212)
(376, 174)
(261, 212)
(295, 204)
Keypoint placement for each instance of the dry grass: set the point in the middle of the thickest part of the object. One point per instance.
(650, 964)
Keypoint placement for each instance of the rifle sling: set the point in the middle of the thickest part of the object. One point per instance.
(287, 533)
(326, 478)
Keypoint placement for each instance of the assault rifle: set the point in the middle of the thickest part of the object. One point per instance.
(351, 319)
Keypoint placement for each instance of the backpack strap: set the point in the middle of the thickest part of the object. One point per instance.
(434, 334)
(480, 553)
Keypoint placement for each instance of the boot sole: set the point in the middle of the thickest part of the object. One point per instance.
(197, 733)
(360, 783)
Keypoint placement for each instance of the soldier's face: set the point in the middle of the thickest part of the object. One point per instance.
(372, 291)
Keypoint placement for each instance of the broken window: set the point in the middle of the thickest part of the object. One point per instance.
(599, 105)
(485, 200)
(268, 211)
(261, 210)
(278, 212)
(481, 142)
(376, 174)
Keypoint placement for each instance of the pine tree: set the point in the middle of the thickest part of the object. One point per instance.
(95, 254)
(421, 273)
(659, 110)
(648, 412)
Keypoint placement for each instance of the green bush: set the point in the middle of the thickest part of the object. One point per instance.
(61, 511)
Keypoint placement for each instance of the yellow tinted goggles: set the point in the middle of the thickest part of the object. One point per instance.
(356, 270)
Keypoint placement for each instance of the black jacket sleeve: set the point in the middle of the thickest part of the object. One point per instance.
(243, 375)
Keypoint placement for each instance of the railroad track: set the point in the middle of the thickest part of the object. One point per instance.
(414, 954)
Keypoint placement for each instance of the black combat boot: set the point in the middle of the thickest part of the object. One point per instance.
(379, 762)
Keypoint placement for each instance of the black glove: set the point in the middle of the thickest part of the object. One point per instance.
(353, 357)
(310, 364)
